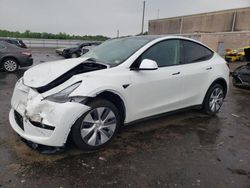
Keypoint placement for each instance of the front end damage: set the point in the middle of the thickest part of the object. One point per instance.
(41, 121)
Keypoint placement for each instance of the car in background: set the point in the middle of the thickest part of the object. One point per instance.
(79, 50)
(16, 42)
(13, 57)
(59, 51)
(235, 54)
(241, 75)
(118, 82)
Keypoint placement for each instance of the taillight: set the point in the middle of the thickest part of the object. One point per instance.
(26, 53)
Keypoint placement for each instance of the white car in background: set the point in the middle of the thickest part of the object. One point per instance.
(116, 83)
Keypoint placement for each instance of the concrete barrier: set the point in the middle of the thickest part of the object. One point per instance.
(50, 43)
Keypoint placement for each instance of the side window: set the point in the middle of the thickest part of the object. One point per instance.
(165, 53)
(194, 52)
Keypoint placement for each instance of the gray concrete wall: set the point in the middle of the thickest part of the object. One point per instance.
(230, 27)
(222, 21)
(243, 20)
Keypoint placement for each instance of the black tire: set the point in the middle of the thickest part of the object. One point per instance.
(206, 103)
(10, 64)
(77, 127)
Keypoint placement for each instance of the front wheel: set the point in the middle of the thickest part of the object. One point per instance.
(97, 127)
(214, 99)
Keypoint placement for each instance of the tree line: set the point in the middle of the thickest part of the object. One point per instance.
(44, 35)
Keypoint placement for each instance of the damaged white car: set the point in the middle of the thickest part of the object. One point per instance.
(121, 81)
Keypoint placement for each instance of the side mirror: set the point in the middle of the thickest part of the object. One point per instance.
(148, 64)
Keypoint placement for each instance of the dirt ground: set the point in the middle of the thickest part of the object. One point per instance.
(187, 149)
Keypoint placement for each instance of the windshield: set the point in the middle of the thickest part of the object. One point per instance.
(116, 51)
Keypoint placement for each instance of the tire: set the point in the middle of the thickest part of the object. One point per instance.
(213, 99)
(74, 55)
(88, 132)
(10, 65)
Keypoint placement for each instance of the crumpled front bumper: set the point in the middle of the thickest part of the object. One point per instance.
(42, 121)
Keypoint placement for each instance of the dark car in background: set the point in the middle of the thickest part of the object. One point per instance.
(16, 42)
(12, 57)
(79, 50)
(241, 75)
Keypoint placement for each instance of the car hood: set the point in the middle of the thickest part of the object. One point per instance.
(47, 73)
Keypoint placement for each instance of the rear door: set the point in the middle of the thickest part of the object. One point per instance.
(196, 70)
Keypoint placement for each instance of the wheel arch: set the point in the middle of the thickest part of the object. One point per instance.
(220, 81)
(8, 57)
(115, 98)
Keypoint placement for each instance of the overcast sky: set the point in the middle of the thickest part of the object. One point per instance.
(99, 17)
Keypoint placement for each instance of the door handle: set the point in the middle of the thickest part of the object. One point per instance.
(209, 68)
(176, 73)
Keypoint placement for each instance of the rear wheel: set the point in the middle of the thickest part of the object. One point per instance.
(10, 65)
(97, 127)
(214, 99)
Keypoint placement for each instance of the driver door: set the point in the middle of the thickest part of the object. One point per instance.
(157, 91)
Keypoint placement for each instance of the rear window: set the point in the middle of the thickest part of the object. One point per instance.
(194, 52)
(21, 43)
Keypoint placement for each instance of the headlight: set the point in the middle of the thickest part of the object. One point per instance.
(63, 96)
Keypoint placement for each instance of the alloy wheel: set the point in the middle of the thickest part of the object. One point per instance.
(98, 126)
(216, 99)
(10, 65)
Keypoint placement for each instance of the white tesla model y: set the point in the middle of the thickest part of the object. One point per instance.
(118, 82)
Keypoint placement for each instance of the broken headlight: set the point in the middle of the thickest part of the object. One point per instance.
(63, 96)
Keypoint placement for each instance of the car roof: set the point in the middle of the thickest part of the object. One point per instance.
(165, 37)
(9, 45)
(154, 37)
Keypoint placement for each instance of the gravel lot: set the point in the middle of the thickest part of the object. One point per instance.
(187, 149)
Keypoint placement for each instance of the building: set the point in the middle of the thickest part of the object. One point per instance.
(220, 30)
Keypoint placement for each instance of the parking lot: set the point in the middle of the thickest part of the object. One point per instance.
(187, 149)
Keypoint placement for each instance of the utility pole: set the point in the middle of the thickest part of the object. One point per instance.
(118, 33)
(158, 13)
(143, 17)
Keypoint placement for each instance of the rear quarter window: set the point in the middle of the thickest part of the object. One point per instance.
(194, 52)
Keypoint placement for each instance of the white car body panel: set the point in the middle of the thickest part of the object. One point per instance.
(42, 74)
(161, 92)
(148, 93)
